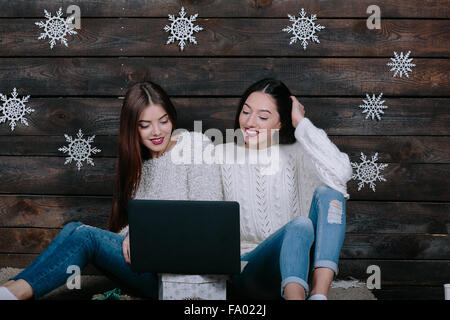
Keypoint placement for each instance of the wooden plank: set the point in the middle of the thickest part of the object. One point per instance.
(21, 261)
(403, 177)
(231, 37)
(390, 149)
(59, 116)
(221, 76)
(397, 272)
(396, 246)
(337, 116)
(397, 217)
(362, 216)
(26, 240)
(49, 175)
(410, 293)
(367, 246)
(396, 149)
(53, 212)
(49, 145)
(17, 260)
(229, 8)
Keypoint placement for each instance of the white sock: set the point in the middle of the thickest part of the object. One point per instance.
(317, 296)
(5, 294)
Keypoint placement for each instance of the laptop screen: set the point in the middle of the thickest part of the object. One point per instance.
(184, 237)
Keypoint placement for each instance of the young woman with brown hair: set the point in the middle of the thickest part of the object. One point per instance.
(145, 171)
(293, 207)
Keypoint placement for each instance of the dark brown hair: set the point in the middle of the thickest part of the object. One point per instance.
(282, 96)
(131, 152)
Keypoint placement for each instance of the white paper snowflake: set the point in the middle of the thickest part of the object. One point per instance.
(14, 109)
(303, 28)
(401, 64)
(368, 171)
(79, 149)
(373, 106)
(182, 29)
(56, 28)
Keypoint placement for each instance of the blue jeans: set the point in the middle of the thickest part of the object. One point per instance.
(282, 258)
(285, 256)
(77, 244)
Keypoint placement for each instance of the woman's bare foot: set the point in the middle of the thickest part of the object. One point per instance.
(20, 288)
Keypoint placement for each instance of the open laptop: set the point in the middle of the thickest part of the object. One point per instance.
(184, 237)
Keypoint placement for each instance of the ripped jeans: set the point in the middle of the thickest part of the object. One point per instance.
(285, 256)
(77, 244)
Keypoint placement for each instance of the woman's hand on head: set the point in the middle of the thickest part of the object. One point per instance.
(298, 111)
(126, 249)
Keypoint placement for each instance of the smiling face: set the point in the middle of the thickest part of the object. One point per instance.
(155, 129)
(259, 119)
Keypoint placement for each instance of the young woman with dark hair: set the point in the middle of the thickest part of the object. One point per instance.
(296, 208)
(145, 170)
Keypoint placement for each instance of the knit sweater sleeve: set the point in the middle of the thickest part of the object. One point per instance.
(203, 180)
(330, 165)
(203, 177)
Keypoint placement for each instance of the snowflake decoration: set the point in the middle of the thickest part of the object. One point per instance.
(368, 171)
(401, 64)
(182, 29)
(79, 149)
(303, 28)
(373, 106)
(14, 109)
(55, 28)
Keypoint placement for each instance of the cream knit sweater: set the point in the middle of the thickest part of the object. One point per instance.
(176, 176)
(268, 198)
(271, 198)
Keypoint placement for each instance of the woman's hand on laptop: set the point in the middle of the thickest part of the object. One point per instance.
(126, 249)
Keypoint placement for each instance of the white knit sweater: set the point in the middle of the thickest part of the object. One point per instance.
(165, 178)
(270, 199)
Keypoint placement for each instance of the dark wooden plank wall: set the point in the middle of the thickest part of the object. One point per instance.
(403, 227)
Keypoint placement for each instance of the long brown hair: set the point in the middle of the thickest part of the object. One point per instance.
(131, 152)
